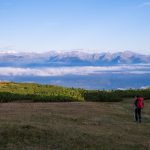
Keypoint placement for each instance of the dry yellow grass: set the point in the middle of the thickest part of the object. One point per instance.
(67, 126)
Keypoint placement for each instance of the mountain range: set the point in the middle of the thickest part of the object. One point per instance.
(77, 69)
(72, 58)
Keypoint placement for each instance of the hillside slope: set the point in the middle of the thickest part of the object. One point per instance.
(31, 92)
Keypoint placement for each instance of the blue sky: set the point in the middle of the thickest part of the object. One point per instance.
(96, 25)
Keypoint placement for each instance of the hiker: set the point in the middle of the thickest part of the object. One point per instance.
(139, 104)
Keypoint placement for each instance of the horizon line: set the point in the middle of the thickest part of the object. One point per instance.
(73, 50)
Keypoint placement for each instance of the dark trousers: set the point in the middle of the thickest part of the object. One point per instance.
(138, 114)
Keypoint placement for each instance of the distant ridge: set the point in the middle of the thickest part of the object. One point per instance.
(70, 58)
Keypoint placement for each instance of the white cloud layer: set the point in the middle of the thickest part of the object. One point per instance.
(62, 71)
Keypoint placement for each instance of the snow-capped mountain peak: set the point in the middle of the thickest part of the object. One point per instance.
(70, 58)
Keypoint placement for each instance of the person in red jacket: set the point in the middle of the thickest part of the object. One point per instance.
(139, 104)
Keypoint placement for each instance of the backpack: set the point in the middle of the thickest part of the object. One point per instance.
(140, 102)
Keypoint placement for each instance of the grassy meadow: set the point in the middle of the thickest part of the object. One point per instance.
(73, 126)
(84, 120)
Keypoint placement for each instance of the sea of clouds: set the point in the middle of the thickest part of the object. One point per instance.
(62, 71)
